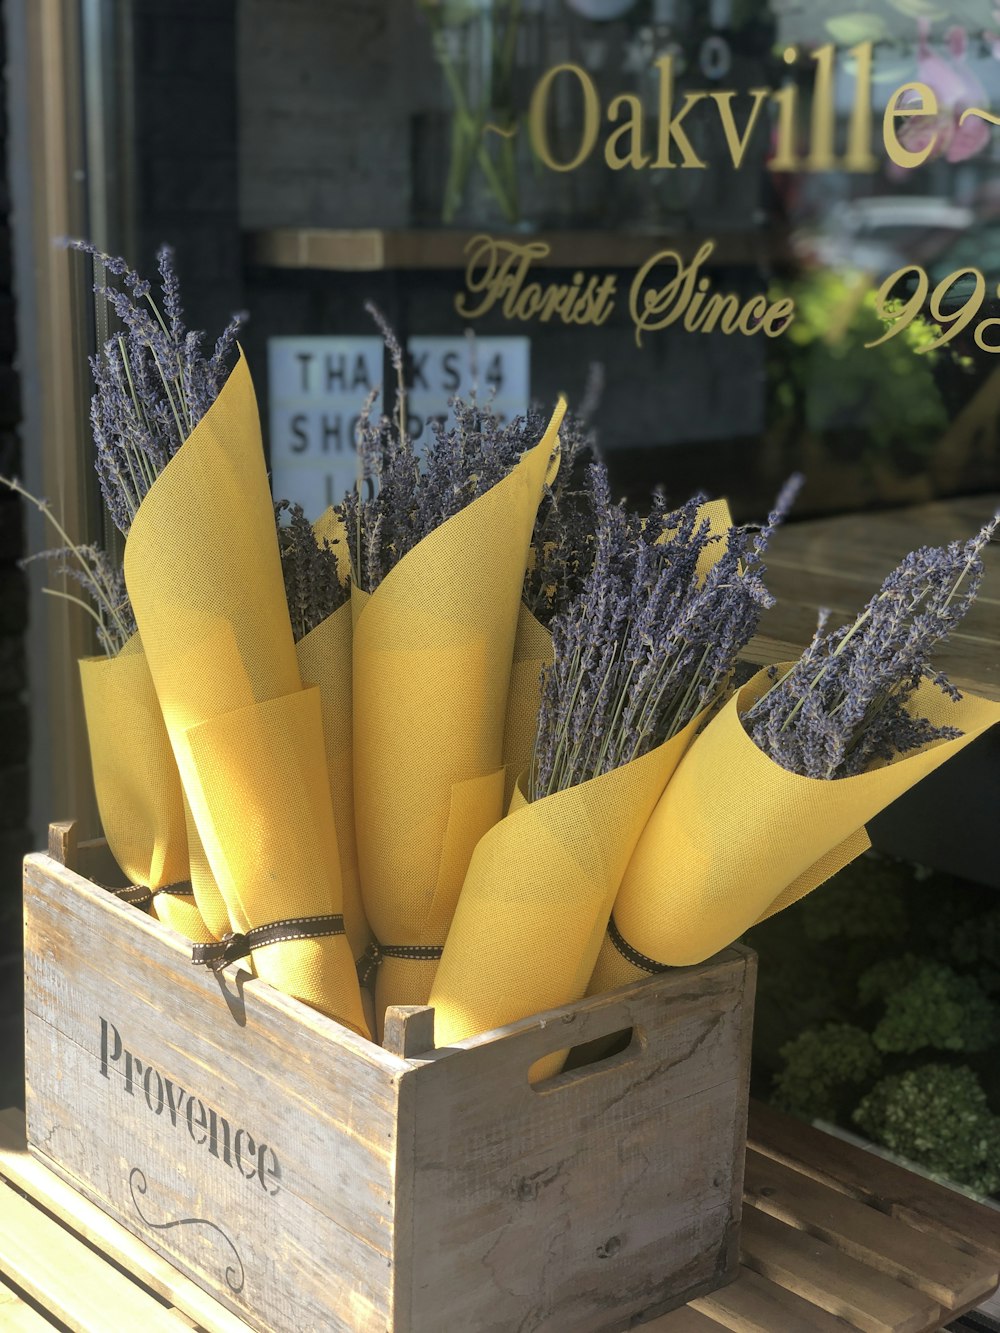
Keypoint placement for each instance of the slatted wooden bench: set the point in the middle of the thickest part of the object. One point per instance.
(834, 1239)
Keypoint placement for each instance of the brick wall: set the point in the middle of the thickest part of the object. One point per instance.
(185, 150)
(14, 836)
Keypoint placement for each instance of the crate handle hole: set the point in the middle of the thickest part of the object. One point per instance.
(615, 1048)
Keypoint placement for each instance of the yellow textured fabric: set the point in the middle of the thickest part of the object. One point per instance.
(136, 780)
(329, 527)
(210, 902)
(433, 647)
(719, 522)
(324, 657)
(251, 763)
(736, 837)
(532, 652)
(537, 897)
(204, 576)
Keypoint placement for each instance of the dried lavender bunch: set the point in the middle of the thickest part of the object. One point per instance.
(646, 645)
(312, 579)
(563, 542)
(399, 498)
(153, 382)
(98, 575)
(842, 706)
(103, 581)
(407, 500)
(465, 461)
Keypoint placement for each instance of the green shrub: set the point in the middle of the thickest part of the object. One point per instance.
(886, 976)
(821, 1065)
(938, 1117)
(936, 1008)
(976, 944)
(864, 901)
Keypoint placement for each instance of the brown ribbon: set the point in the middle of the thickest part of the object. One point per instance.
(182, 889)
(632, 955)
(134, 894)
(371, 959)
(235, 945)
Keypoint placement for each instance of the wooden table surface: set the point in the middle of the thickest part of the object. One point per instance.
(840, 562)
(834, 1239)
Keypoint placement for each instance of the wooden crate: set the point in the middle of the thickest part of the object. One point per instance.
(309, 1179)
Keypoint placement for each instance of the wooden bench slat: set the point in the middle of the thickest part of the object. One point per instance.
(752, 1304)
(963, 1223)
(843, 1286)
(16, 1316)
(684, 1320)
(840, 561)
(947, 1275)
(868, 544)
(845, 593)
(68, 1279)
(29, 1175)
(22, 1318)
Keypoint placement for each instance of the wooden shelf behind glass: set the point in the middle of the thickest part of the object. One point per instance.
(372, 249)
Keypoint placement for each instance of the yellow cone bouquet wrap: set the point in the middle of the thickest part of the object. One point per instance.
(315, 565)
(136, 782)
(738, 835)
(137, 785)
(204, 575)
(324, 658)
(152, 383)
(433, 647)
(537, 896)
(621, 703)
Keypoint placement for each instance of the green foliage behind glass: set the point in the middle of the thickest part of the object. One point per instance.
(879, 1009)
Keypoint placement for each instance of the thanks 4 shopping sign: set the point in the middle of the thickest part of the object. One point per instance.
(319, 385)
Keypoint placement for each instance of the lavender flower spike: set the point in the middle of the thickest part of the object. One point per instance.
(647, 644)
(842, 706)
(153, 383)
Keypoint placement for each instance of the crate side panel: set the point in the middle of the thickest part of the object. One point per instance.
(607, 1194)
(236, 1137)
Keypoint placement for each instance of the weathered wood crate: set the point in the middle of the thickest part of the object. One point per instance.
(309, 1179)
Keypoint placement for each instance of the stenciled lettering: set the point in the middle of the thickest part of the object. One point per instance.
(205, 1126)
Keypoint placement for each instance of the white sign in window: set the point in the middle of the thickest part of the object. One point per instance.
(317, 387)
(496, 369)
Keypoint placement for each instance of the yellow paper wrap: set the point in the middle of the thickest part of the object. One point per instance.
(324, 657)
(736, 837)
(537, 897)
(204, 577)
(433, 647)
(137, 784)
(720, 520)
